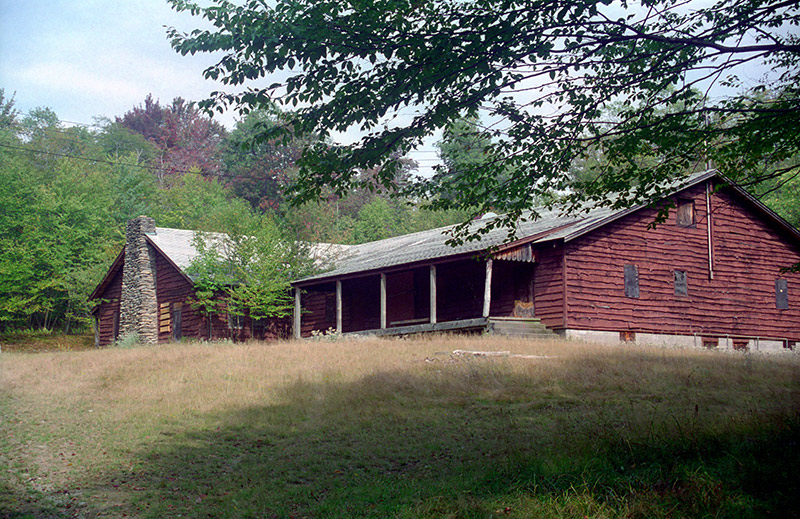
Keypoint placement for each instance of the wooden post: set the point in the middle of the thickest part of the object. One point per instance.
(338, 306)
(383, 301)
(433, 294)
(487, 289)
(297, 323)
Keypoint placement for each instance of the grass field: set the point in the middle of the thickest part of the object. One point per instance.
(399, 428)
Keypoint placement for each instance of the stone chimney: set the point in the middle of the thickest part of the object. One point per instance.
(138, 307)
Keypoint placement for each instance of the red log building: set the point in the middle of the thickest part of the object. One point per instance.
(711, 274)
(148, 292)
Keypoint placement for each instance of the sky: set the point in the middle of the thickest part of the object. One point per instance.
(87, 58)
(100, 58)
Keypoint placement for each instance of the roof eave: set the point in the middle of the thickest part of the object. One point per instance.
(625, 212)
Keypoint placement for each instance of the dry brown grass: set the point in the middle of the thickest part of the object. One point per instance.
(80, 419)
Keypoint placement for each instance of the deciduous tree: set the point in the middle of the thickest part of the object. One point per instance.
(185, 137)
(542, 72)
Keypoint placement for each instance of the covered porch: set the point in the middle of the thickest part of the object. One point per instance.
(467, 294)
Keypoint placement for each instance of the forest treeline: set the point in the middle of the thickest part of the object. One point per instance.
(66, 192)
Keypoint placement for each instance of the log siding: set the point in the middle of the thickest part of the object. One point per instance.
(549, 291)
(107, 312)
(748, 252)
(172, 287)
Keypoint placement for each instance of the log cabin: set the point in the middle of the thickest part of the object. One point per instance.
(711, 275)
(148, 292)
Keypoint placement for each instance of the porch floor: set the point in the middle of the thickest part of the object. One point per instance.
(513, 326)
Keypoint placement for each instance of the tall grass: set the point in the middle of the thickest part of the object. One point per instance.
(398, 428)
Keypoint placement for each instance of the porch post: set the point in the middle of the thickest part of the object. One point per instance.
(487, 288)
(338, 306)
(383, 301)
(433, 294)
(297, 323)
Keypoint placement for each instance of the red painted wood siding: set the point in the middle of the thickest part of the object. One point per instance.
(748, 254)
(459, 289)
(548, 285)
(314, 316)
(172, 287)
(108, 310)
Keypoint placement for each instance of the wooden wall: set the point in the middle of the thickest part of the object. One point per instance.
(361, 302)
(459, 289)
(548, 285)
(108, 312)
(317, 313)
(748, 253)
(173, 288)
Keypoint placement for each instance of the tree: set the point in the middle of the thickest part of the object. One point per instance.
(542, 72)
(8, 114)
(464, 148)
(247, 271)
(185, 137)
(380, 219)
(259, 169)
(54, 238)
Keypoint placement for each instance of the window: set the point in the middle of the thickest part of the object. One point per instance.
(631, 281)
(710, 342)
(680, 283)
(781, 294)
(164, 318)
(685, 213)
(235, 321)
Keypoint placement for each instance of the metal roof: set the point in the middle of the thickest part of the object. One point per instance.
(430, 245)
(176, 244)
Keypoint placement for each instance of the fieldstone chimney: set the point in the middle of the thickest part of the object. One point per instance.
(138, 307)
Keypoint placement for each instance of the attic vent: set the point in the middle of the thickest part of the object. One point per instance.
(487, 215)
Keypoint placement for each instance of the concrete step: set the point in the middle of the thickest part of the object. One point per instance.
(528, 327)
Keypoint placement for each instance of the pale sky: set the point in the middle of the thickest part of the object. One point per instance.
(89, 58)
(86, 58)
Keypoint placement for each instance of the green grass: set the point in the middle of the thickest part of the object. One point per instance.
(398, 429)
(38, 341)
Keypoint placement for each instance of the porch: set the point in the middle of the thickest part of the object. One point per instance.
(471, 294)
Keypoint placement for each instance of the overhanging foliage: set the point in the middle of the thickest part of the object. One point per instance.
(554, 79)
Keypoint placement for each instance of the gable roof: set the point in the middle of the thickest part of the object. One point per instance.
(549, 226)
(177, 246)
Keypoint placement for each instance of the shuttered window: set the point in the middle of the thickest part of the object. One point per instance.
(781, 294)
(681, 288)
(685, 213)
(631, 281)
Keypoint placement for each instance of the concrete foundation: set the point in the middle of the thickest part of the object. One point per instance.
(680, 341)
